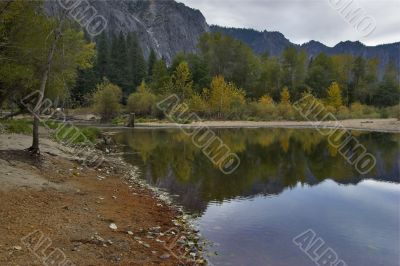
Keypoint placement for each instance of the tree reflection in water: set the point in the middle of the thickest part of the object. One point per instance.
(272, 160)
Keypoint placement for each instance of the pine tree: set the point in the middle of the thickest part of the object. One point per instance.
(388, 91)
(113, 68)
(320, 74)
(86, 82)
(359, 82)
(102, 62)
(200, 72)
(334, 95)
(161, 79)
(152, 60)
(137, 64)
(119, 62)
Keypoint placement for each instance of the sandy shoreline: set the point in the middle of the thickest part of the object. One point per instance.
(75, 206)
(379, 125)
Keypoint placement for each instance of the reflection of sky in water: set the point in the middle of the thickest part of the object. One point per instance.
(360, 222)
(288, 181)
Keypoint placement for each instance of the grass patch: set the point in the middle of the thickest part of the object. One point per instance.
(147, 120)
(19, 126)
(75, 135)
(120, 121)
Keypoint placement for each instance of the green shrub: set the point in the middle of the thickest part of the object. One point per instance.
(286, 112)
(262, 111)
(343, 113)
(142, 102)
(106, 100)
(393, 111)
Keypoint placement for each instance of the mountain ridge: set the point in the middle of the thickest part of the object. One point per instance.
(264, 41)
(169, 27)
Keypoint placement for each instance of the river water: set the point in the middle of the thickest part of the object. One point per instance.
(289, 181)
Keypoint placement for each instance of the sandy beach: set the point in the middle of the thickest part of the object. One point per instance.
(380, 125)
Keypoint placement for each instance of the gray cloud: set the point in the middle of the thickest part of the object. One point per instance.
(304, 20)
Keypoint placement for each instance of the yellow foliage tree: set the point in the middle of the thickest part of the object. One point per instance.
(266, 100)
(182, 83)
(334, 95)
(285, 96)
(225, 98)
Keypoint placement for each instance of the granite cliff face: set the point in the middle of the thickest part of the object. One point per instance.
(166, 26)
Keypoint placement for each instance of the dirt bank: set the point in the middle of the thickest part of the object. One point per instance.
(382, 125)
(76, 208)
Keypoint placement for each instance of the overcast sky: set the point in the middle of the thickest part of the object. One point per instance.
(304, 20)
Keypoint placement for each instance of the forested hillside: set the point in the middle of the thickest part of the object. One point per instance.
(121, 61)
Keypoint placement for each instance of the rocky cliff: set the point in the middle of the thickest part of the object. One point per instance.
(166, 26)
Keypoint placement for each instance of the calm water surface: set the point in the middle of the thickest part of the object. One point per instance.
(288, 181)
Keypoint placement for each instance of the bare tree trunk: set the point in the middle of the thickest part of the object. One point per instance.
(34, 149)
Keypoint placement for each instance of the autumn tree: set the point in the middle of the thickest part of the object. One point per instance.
(224, 98)
(106, 100)
(142, 101)
(182, 83)
(285, 96)
(266, 100)
(334, 95)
